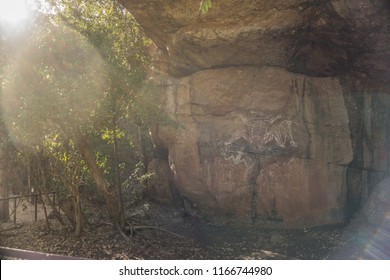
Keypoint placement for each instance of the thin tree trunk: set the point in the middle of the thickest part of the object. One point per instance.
(142, 152)
(109, 191)
(45, 190)
(45, 211)
(4, 204)
(4, 165)
(118, 182)
(74, 186)
(77, 212)
(74, 214)
(29, 191)
(54, 209)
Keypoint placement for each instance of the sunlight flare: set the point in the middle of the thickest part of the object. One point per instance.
(56, 79)
(14, 11)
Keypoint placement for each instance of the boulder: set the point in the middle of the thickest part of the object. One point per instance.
(273, 146)
(281, 107)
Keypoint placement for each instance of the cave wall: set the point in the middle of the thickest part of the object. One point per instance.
(281, 107)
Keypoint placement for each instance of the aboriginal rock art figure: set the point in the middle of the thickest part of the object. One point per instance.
(261, 136)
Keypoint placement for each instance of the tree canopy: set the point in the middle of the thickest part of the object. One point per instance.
(81, 68)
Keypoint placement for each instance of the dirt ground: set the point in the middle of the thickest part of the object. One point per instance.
(175, 236)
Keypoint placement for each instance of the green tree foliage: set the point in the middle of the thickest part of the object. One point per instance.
(122, 45)
(80, 71)
(115, 34)
(57, 82)
(205, 5)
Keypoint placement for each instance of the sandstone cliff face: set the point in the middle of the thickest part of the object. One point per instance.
(281, 107)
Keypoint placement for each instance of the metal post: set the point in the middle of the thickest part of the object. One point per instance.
(15, 211)
(36, 207)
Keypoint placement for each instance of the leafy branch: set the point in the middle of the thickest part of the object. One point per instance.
(205, 5)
